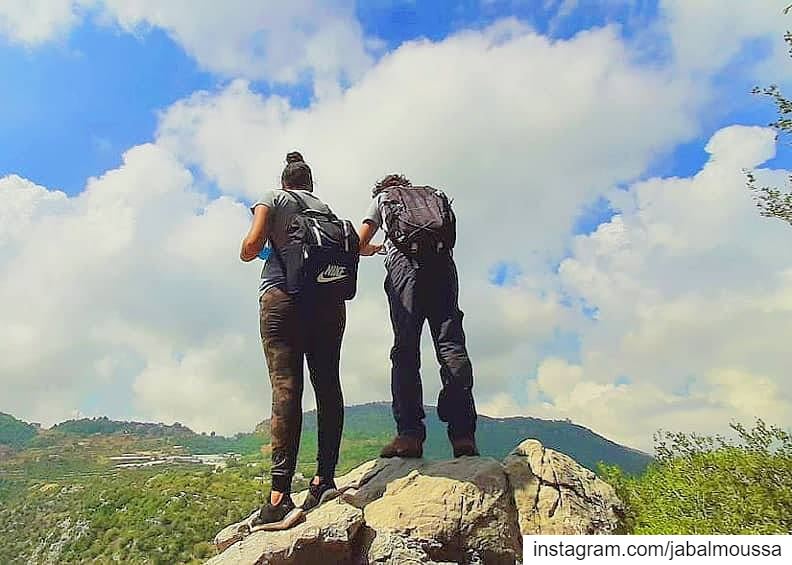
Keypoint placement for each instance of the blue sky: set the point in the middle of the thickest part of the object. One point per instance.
(75, 98)
(74, 107)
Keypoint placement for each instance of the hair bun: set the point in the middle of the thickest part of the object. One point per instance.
(294, 157)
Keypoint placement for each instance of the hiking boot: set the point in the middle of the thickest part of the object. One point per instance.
(277, 516)
(465, 446)
(403, 446)
(319, 494)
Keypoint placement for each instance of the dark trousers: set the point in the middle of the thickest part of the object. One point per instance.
(290, 332)
(417, 292)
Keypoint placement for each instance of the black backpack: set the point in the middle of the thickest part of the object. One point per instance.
(321, 254)
(419, 219)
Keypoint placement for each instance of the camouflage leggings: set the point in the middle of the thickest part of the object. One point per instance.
(291, 332)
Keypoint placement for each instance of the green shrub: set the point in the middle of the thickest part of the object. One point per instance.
(712, 485)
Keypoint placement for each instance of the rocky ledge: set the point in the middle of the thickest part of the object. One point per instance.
(407, 511)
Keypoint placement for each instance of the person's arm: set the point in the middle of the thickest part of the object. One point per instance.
(367, 231)
(371, 223)
(254, 241)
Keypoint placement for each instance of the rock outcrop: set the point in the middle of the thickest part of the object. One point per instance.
(555, 495)
(468, 510)
(330, 535)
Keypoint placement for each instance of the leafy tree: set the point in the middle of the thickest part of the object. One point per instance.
(711, 485)
(774, 202)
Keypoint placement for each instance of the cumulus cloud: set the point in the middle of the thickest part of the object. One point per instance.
(544, 142)
(147, 264)
(278, 41)
(560, 127)
(195, 383)
(319, 42)
(708, 33)
(32, 22)
(104, 285)
(323, 43)
(693, 294)
(136, 280)
(693, 291)
(702, 35)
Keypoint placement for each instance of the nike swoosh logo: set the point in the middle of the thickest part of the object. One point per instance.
(323, 278)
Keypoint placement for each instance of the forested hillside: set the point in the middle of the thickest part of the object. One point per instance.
(15, 433)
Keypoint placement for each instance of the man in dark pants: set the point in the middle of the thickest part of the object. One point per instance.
(293, 329)
(419, 290)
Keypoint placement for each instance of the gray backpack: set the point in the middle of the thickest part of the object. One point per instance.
(419, 219)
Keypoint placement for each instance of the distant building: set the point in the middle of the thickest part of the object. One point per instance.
(149, 459)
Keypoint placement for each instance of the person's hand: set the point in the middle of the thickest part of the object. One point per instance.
(370, 249)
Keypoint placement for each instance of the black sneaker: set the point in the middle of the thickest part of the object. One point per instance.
(277, 517)
(319, 494)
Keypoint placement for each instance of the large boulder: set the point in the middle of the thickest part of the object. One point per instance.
(470, 510)
(555, 495)
(368, 482)
(459, 511)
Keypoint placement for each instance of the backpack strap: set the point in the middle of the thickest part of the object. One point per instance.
(303, 208)
(307, 210)
(299, 199)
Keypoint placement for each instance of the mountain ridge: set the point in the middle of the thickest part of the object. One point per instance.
(15, 433)
(495, 436)
(370, 423)
(104, 425)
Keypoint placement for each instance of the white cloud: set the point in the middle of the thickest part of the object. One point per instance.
(315, 41)
(559, 127)
(693, 291)
(137, 280)
(321, 42)
(501, 405)
(22, 203)
(225, 372)
(275, 40)
(139, 271)
(543, 143)
(700, 37)
(116, 281)
(31, 22)
(285, 41)
(706, 34)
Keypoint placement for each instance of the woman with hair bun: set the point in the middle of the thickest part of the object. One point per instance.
(293, 331)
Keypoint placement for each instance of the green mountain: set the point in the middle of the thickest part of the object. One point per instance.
(103, 425)
(15, 433)
(173, 434)
(64, 497)
(372, 424)
(69, 495)
(366, 428)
